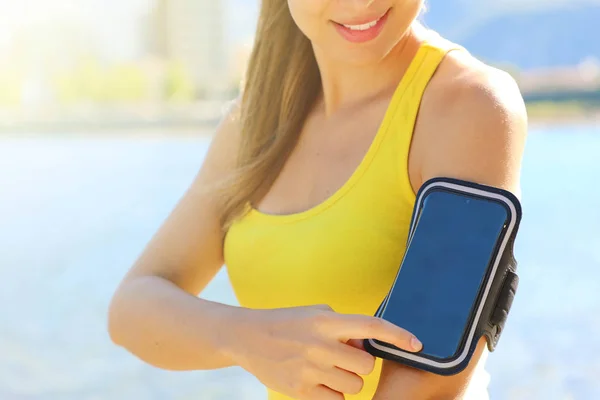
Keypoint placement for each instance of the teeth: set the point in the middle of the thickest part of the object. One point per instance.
(362, 27)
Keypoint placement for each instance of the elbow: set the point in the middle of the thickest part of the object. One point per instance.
(124, 312)
(117, 318)
(113, 326)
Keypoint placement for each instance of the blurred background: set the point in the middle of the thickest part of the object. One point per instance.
(106, 111)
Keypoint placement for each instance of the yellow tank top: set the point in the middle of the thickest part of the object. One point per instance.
(344, 252)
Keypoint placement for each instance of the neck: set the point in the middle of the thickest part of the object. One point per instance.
(345, 84)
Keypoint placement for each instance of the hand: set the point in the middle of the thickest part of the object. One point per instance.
(311, 352)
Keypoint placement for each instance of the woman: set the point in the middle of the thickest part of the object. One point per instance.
(306, 195)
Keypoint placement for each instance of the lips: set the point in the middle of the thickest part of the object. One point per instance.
(363, 20)
(362, 30)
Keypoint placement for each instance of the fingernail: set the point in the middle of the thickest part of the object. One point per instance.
(416, 344)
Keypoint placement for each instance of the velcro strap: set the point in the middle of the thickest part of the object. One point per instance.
(505, 300)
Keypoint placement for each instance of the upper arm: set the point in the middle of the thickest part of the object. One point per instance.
(480, 134)
(188, 248)
(476, 133)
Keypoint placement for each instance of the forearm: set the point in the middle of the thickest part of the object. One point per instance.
(398, 382)
(169, 328)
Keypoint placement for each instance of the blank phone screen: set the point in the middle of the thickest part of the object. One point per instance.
(444, 269)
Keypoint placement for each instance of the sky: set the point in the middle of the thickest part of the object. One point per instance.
(113, 24)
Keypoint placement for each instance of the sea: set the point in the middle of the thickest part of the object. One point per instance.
(76, 209)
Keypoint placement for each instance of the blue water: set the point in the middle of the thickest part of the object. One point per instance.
(75, 212)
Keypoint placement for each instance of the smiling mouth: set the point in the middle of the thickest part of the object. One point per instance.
(363, 26)
(361, 31)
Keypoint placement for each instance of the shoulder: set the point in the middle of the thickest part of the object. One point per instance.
(228, 132)
(474, 121)
(467, 89)
(221, 157)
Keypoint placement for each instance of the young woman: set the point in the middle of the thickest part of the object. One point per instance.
(306, 195)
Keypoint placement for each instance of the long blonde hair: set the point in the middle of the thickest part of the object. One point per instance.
(282, 83)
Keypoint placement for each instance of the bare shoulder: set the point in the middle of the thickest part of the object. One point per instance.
(474, 123)
(471, 89)
(221, 156)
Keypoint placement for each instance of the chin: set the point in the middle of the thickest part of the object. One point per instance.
(341, 50)
(360, 54)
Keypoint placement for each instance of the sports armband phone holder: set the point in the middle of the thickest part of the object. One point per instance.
(487, 315)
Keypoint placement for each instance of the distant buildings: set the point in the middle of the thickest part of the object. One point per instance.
(583, 77)
(192, 32)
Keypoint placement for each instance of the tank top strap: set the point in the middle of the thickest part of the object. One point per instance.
(406, 101)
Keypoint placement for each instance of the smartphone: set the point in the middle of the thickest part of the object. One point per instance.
(460, 233)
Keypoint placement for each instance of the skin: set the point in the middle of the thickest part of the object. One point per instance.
(471, 125)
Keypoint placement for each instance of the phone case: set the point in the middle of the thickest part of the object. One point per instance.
(494, 302)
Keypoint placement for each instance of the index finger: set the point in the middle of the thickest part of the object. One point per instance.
(348, 327)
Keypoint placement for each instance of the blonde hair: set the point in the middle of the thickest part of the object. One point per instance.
(282, 83)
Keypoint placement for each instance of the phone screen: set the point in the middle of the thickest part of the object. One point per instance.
(444, 269)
